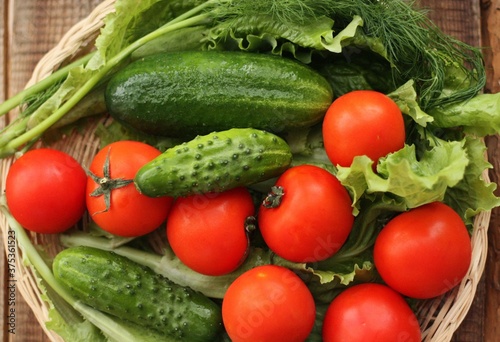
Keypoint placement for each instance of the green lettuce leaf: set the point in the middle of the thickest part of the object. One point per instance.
(415, 181)
(262, 33)
(335, 43)
(310, 35)
(478, 116)
(130, 21)
(473, 194)
(326, 284)
(407, 100)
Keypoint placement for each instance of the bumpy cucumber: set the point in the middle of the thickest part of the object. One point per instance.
(215, 162)
(184, 94)
(118, 286)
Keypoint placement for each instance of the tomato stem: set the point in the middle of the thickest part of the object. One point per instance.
(106, 183)
(273, 198)
(250, 224)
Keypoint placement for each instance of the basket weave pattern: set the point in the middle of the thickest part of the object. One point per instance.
(439, 318)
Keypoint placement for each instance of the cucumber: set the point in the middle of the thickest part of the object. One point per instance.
(118, 286)
(215, 162)
(189, 93)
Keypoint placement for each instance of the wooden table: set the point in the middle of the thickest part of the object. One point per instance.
(29, 28)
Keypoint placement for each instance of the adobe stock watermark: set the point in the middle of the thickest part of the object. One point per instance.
(11, 282)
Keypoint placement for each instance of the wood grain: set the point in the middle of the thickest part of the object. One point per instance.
(490, 13)
(31, 27)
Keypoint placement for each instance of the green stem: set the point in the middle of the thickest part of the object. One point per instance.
(42, 85)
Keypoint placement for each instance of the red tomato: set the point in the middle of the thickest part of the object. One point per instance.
(370, 312)
(268, 303)
(129, 213)
(313, 219)
(362, 122)
(424, 252)
(45, 191)
(208, 232)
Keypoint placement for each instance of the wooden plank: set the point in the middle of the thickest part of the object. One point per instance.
(3, 81)
(490, 13)
(491, 42)
(3, 93)
(37, 25)
(492, 272)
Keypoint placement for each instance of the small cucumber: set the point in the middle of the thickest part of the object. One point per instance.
(118, 286)
(189, 93)
(215, 162)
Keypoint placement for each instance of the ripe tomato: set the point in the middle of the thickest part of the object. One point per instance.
(208, 232)
(128, 212)
(370, 312)
(362, 122)
(268, 303)
(45, 190)
(423, 252)
(313, 219)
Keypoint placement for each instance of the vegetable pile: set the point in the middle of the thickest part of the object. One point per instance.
(265, 169)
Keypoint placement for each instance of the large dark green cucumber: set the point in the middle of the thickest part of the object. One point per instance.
(215, 162)
(197, 92)
(118, 286)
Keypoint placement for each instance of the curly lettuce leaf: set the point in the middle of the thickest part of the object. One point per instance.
(478, 116)
(301, 40)
(473, 194)
(328, 283)
(262, 33)
(407, 100)
(336, 42)
(415, 181)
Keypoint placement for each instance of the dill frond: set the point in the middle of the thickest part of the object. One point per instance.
(417, 48)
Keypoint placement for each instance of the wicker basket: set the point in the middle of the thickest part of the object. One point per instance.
(439, 318)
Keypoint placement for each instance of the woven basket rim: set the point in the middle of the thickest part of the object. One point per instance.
(439, 317)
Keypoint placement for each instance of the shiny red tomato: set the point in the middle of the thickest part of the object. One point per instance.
(370, 312)
(423, 252)
(313, 218)
(45, 190)
(268, 303)
(362, 122)
(128, 212)
(207, 232)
